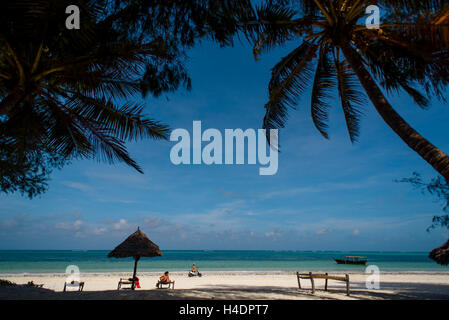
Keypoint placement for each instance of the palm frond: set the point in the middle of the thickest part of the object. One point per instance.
(289, 79)
(323, 83)
(417, 96)
(80, 82)
(352, 100)
(273, 25)
(127, 122)
(399, 67)
(111, 149)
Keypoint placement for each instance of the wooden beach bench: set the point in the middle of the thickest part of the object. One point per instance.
(327, 277)
(122, 281)
(74, 284)
(160, 285)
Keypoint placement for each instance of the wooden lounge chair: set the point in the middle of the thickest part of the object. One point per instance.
(131, 282)
(74, 284)
(160, 285)
(325, 276)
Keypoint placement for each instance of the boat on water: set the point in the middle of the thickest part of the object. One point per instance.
(352, 260)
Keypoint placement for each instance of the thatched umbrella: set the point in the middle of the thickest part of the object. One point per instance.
(136, 245)
(441, 254)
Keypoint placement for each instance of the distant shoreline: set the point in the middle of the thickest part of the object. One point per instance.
(220, 272)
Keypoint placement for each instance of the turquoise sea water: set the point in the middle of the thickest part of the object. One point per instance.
(20, 261)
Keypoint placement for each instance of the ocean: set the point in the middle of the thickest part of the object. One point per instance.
(55, 261)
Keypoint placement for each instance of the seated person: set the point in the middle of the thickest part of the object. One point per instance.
(194, 271)
(136, 281)
(164, 279)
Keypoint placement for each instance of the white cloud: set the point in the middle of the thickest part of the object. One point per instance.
(273, 235)
(75, 225)
(99, 231)
(323, 187)
(78, 186)
(120, 225)
(323, 231)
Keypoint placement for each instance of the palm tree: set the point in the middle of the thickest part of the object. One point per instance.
(337, 50)
(65, 88)
(65, 94)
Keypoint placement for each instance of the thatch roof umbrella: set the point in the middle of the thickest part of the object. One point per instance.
(136, 245)
(441, 254)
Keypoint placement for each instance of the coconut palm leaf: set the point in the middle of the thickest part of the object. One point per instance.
(324, 82)
(352, 100)
(288, 81)
(66, 93)
(277, 27)
(77, 83)
(407, 53)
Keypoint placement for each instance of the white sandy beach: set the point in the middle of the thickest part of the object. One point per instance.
(231, 285)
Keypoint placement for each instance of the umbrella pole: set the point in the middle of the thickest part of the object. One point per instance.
(136, 259)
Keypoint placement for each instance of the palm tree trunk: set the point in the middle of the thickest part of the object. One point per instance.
(434, 156)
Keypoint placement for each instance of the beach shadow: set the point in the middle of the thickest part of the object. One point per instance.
(213, 292)
(408, 291)
(230, 292)
(388, 291)
(210, 293)
(24, 292)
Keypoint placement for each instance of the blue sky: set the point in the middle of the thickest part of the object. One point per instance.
(326, 195)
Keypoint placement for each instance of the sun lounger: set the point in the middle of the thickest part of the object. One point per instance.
(130, 282)
(74, 284)
(325, 276)
(160, 285)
